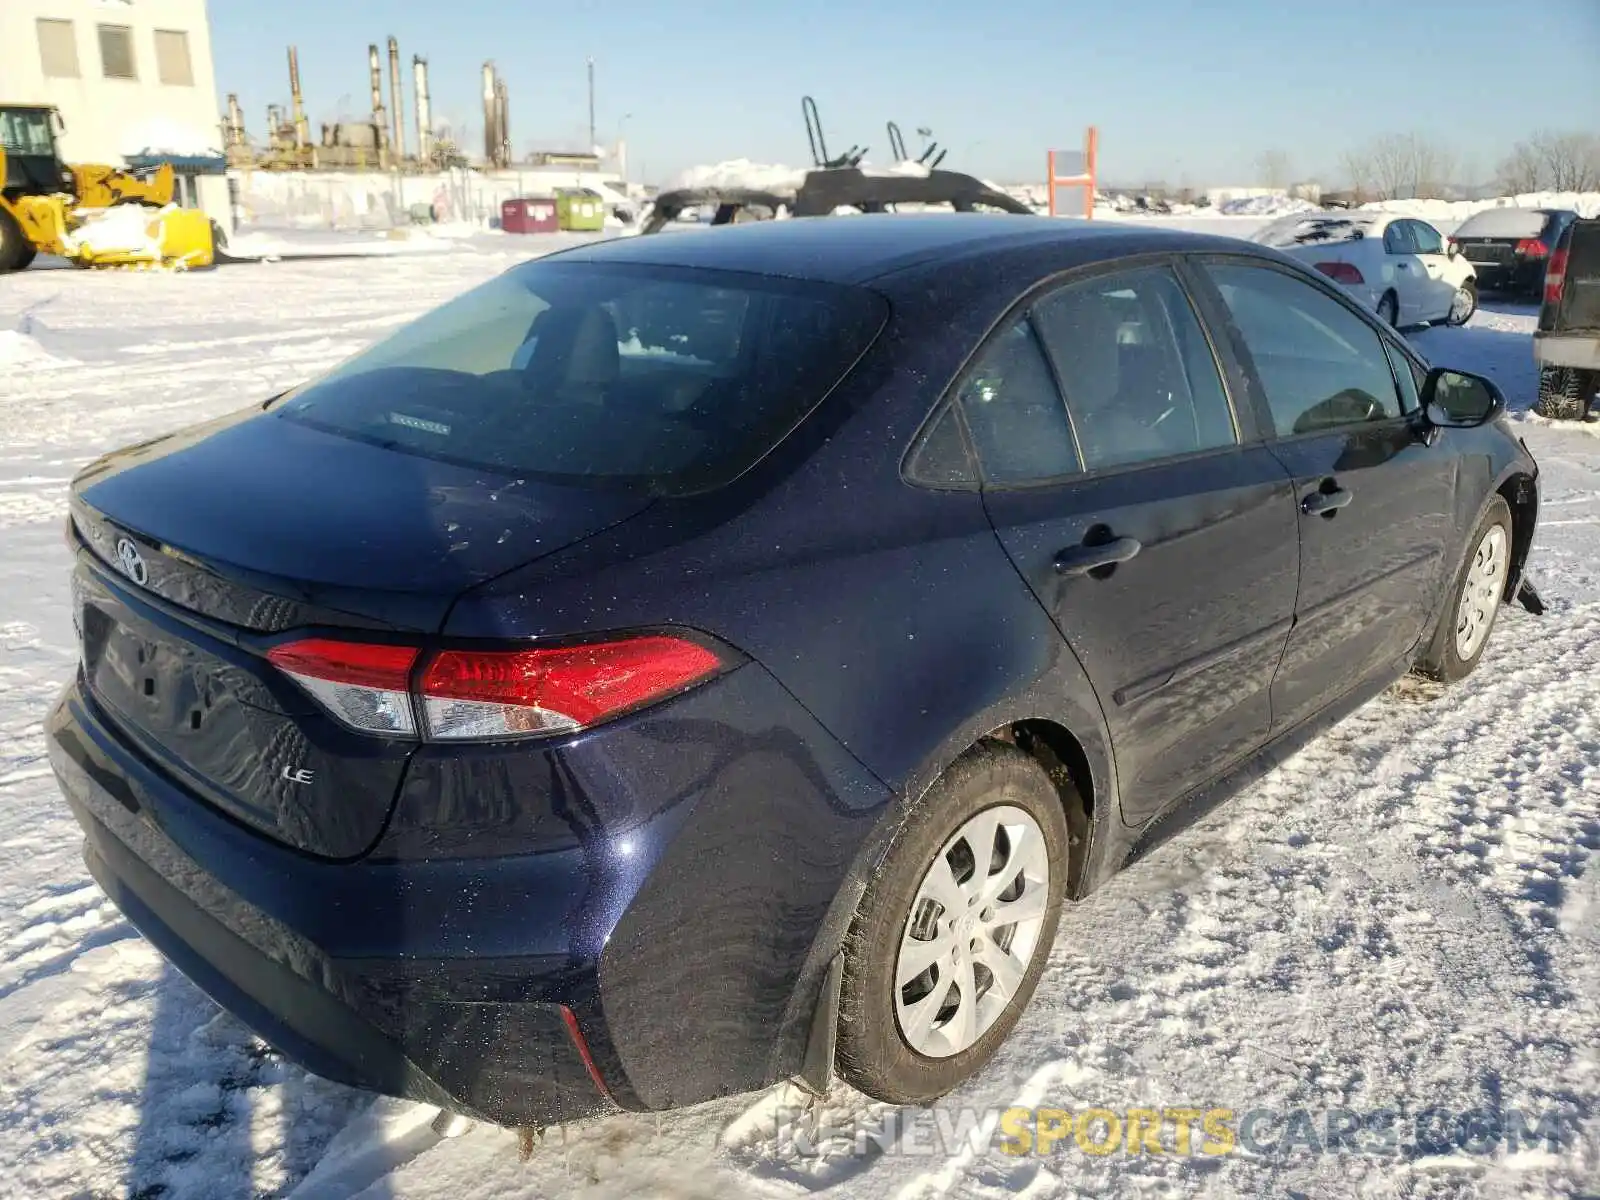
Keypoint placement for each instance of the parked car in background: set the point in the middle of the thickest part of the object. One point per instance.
(1398, 267)
(1566, 345)
(739, 683)
(1510, 248)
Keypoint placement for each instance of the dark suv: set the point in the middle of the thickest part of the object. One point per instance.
(687, 662)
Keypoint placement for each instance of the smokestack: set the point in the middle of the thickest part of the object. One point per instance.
(502, 120)
(491, 114)
(235, 121)
(379, 118)
(396, 119)
(419, 70)
(301, 130)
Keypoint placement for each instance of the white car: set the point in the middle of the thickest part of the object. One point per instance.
(1399, 267)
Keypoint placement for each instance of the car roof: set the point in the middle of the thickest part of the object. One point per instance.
(857, 249)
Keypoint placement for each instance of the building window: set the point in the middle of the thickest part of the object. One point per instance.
(172, 57)
(116, 52)
(58, 49)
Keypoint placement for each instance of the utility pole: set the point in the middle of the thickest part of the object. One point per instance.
(591, 103)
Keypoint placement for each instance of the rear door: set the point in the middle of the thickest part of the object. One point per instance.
(1160, 536)
(1374, 501)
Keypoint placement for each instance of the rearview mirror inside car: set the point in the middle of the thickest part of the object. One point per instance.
(1458, 400)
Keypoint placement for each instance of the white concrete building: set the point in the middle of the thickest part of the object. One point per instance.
(134, 83)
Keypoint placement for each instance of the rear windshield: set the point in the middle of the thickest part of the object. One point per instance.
(672, 380)
(1503, 223)
(1314, 230)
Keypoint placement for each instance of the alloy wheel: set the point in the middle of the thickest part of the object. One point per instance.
(972, 931)
(1481, 592)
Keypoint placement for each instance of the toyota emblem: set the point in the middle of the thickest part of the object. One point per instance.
(130, 562)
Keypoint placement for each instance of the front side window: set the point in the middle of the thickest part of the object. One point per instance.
(1321, 366)
(1410, 377)
(1140, 379)
(26, 131)
(664, 379)
(1427, 239)
(1014, 412)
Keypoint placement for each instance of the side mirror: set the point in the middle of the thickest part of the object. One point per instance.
(1453, 249)
(1457, 400)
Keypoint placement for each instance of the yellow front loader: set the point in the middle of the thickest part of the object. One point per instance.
(91, 215)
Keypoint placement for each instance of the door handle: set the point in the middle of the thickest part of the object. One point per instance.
(1080, 560)
(1325, 503)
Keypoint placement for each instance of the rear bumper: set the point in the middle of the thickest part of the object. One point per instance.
(417, 1028)
(1524, 275)
(453, 980)
(1581, 350)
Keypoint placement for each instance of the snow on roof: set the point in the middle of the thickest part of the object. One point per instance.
(157, 137)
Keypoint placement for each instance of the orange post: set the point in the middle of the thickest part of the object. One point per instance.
(1085, 180)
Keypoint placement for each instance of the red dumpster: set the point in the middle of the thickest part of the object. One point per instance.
(530, 214)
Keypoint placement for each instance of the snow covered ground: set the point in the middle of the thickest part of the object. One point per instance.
(1403, 916)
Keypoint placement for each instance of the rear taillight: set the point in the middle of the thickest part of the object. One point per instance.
(475, 694)
(1555, 277)
(366, 686)
(1532, 248)
(1341, 272)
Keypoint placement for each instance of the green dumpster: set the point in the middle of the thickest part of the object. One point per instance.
(580, 210)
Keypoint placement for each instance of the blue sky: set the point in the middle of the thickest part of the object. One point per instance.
(1182, 90)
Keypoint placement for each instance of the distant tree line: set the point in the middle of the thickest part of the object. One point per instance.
(1404, 166)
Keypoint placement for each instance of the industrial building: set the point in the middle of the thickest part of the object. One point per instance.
(134, 84)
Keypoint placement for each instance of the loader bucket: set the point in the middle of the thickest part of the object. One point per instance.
(132, 236)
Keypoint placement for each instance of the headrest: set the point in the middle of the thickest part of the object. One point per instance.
(576, 345)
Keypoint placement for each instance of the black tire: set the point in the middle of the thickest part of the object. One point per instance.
(1565, 393)
(1389, 310)
(1451, 318)
(1442, 659)
(16, 252)
(873, 1056)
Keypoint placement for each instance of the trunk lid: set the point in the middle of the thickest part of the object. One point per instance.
(195, 550)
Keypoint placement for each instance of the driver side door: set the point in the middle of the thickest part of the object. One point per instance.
(1374, 501)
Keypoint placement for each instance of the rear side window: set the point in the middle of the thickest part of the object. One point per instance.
(1397, 238)
(666, 379)
(1321, 365)
(1140, 379)
(1014, 412)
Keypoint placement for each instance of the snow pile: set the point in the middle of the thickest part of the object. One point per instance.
(740, 173)
(1265, 206)
(19, 349)
(130, 227)
(158, 136)
(1585, 204)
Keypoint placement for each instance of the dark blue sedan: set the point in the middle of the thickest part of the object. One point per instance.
(684, 663)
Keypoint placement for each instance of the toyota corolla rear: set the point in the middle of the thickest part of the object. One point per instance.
(432, 867)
